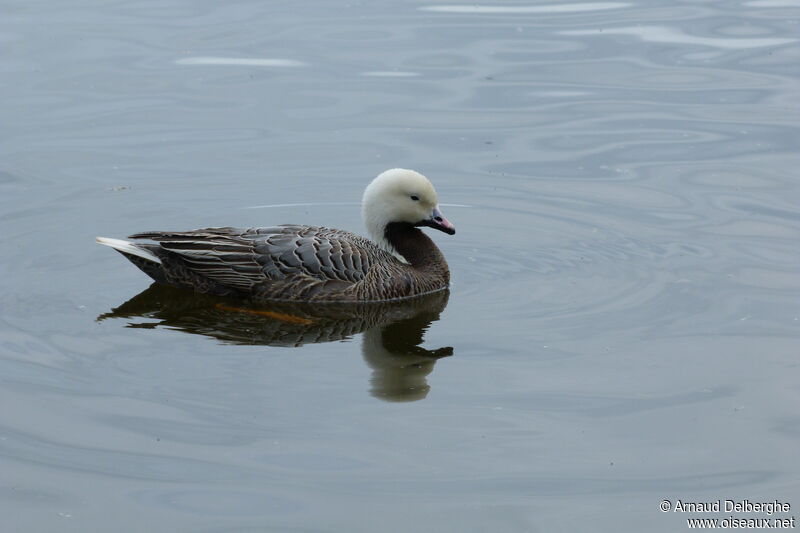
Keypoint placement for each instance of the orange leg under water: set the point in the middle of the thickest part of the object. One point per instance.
(283, 317)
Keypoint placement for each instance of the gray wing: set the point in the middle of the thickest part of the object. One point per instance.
(244, 258)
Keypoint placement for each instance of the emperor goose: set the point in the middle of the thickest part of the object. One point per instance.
(310, 263)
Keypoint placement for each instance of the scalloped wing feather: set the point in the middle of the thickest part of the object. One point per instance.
(246, 258)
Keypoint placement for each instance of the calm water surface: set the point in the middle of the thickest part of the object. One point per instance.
(623, 322)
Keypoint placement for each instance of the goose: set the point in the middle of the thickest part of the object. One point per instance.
(300, 263)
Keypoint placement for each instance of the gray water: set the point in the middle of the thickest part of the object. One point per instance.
(623, 322)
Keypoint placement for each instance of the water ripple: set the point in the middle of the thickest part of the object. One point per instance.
(520, 10)
(117, 463)
(663, 34)
(241, 61)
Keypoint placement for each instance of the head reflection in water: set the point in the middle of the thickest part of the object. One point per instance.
(392, 332)
(400, 366)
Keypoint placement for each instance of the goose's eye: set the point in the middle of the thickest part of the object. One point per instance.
(415, 197)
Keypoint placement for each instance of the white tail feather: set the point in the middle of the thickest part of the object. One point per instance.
(129, 248)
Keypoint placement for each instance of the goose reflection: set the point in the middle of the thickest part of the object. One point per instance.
(392, 332)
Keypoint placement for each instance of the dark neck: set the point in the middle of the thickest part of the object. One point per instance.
(416, 247)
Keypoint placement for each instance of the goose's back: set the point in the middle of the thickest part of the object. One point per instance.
(324, 253)
(287, 262)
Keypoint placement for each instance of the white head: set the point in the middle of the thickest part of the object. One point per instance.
(400, 195)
